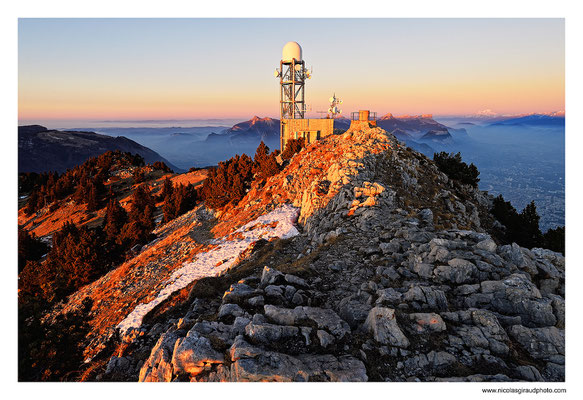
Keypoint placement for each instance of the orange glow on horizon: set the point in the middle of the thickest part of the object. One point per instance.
(505, 95)
(438, 99)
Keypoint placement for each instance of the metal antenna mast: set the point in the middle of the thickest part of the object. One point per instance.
(292, 75)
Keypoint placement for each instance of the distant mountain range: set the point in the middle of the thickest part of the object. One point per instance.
(341, 123)
(253, 131)
(417, 126)
(420, 132)
(41, 149)
(203, 146)
(488, 117)
(533, 121)
(416, 131)
(438, 136)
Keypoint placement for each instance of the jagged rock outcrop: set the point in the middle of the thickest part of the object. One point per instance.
(392, 277)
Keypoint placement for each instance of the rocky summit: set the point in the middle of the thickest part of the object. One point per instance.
(391, 273)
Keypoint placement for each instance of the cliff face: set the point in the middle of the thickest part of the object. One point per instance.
(359, 261)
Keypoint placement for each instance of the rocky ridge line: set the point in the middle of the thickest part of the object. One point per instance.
(393, 278)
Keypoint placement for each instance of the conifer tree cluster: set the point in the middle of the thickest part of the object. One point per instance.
(161, 166)
(27, 181)
(51, 350)
(84, 182)
(229, 182)
(80, 255)
(453, 166)
(139, 175)
(74, 260)
(523, 228)
(166, 191)
(264, 163)
(140, 219)
(292, 147)
(29, 248)
(177, 199)
(115, 219)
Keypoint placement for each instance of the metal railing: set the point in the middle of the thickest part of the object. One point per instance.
(355, 116)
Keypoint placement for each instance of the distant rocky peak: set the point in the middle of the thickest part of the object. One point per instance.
(257, 119)
(390, 116)
(387, 116)
(420, 116)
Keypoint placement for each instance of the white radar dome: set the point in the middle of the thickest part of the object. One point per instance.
(290, 51)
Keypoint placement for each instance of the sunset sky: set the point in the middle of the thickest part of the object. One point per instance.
(128, 69)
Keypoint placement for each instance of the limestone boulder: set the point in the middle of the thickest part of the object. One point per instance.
(382, 324)
(269, 333)
(193, 353)
(541, 343)
(457, 271)
(425, 323)
(517, 295)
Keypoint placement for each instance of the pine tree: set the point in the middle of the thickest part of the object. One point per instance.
(131, 234)
(265, 163)
(29, 248)
(169, 210)
(505, 213)
(238, 188)
(229, 181)
(271, 167)
(80, 193)
(33, 203)
(51, 186)
(530, 234)
(187, 199)
(73, 261)
(260, 158)
(161, 166)
(114, 220)
(554, 239)
(522, 228)
(91, 197)
(147, 218)
(183, 199)
(140, 199)
(110, 193)
(167, 189)
(245, 168)
(292, 147)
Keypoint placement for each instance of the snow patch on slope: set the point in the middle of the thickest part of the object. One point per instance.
(277, 224)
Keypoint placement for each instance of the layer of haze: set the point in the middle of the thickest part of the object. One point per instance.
(103, 69)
